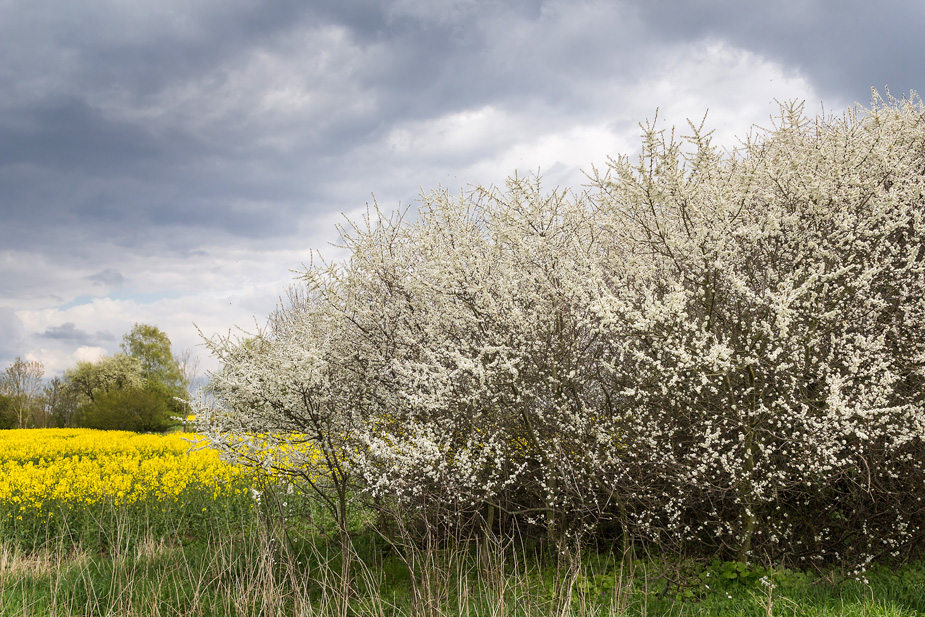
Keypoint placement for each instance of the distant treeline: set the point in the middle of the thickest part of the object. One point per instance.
(143, 388)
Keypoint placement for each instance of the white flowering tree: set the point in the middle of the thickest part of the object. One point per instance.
(767, 334)
(717, 351)
(494, 403)
(285, 403)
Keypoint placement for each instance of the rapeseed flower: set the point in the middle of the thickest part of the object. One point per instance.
(47, 473)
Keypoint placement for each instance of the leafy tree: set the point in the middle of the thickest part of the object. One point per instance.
(151, 347)
(61, 402)
(22, 383)
(88, 380)
(134, 390)
(113, 393)
(7, 415)
(140, 409)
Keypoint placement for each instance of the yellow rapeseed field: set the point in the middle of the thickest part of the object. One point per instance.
(58, 472)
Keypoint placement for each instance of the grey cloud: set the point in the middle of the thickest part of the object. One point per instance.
(140, 142)
(70, 333)
(66, 331)
(173, 127)
(67, 133)
(107, 277)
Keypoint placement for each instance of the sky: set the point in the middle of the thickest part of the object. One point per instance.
(175, 163)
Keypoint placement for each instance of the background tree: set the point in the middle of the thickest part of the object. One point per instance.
(61, 402)
(188, 363)
(7, 416)
(22, 383)
(88, 380)
(135, 390)
(151, 347)
(140, 409)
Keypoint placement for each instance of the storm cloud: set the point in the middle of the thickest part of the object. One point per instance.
(171, 163)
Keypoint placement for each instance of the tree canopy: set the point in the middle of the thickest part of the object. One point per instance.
(141, 389)
(91, 380)
(135, 390)
(21, 382)
(7, 415)
(151, 347)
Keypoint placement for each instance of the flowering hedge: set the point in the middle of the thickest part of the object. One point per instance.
(715, 351)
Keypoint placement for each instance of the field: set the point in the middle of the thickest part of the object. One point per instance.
(77, 483)
(111, 523)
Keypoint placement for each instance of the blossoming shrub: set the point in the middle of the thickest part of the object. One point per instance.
(767, 343)
(714, 351)
(88, 486)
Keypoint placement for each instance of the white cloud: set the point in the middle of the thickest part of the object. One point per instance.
(488, 143)
(87, 354)
(738, 87)
(216, 290)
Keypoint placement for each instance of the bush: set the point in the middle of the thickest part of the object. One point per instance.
(128, 409)
(719, 353)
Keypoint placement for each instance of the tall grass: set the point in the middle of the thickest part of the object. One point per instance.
(242, 564)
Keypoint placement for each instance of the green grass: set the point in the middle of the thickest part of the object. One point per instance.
(228, 561)
(242, 570)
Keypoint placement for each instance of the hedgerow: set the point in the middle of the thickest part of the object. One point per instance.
(708, 351)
